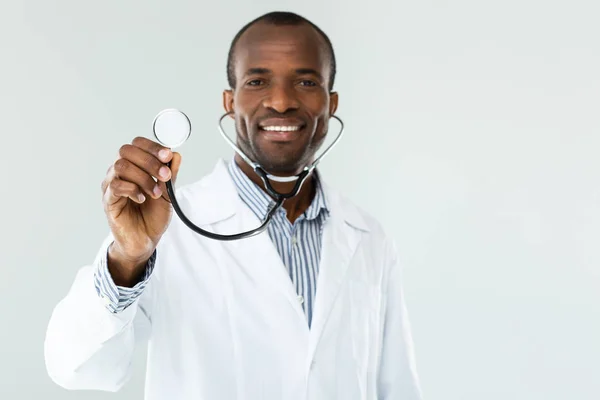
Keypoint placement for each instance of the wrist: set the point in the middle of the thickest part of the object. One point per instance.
(125, 270)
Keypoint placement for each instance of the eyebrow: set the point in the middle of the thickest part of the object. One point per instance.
(299, 71)
(309, 71)
(257, 71)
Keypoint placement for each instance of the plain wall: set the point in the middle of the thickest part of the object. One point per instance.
(472, 134)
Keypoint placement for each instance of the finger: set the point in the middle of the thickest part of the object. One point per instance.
(163, 153)
(119, 189)
(145, 161)
(108, 178)
(128, 171)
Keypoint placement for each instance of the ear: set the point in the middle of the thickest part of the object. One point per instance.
(333, 102)
(228, 101)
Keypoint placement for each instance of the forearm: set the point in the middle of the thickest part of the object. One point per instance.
(87, 346)
(91, 337)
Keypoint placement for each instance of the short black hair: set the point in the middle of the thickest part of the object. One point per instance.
(279, 18)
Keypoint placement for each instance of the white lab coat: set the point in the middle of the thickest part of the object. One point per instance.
(224, 322)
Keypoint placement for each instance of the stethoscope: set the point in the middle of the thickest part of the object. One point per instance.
(172, 128)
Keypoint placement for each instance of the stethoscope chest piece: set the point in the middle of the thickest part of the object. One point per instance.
(171, 128)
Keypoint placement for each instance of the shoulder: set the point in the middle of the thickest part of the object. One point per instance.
(357, 216)
(377, 247)
(211, 198)
(196, 188)
(216, 183)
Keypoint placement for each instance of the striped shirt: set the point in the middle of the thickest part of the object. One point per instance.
(298, 244)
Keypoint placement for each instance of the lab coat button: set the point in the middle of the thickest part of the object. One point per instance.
(301, 299)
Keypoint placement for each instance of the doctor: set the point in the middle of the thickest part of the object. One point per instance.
(311, 309)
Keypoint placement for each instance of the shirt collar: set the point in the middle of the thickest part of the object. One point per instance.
(260, 202)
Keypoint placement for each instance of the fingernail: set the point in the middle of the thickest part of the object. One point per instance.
(142, 198)
(164, 154)
(163, 172)
(157, 192)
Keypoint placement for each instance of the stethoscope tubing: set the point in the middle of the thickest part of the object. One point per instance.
(265, 177)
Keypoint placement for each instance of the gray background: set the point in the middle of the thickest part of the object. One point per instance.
(472, 134)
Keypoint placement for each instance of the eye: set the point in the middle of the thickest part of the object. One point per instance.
(254, 82)
(308, 83)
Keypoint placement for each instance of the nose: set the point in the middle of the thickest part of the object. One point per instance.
(281, 98)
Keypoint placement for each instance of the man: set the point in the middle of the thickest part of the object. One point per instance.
(311, 309)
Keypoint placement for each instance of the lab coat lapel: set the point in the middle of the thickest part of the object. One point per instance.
(340, 241)
(256, 257)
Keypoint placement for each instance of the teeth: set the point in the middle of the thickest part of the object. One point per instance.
(281, 128)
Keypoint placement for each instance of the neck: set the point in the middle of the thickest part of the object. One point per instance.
(294, 206)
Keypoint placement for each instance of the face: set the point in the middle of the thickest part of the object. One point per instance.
(281, 102)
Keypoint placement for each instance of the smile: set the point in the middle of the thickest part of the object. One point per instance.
(280, 128)
(282, 133)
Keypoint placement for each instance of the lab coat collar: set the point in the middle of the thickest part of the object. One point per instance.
(217, 192)
(260, 202)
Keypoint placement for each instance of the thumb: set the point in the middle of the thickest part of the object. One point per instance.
(175, 164)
